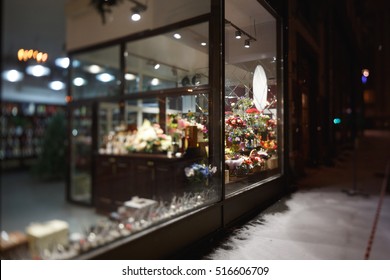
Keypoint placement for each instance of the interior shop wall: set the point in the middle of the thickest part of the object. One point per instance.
(84, 25)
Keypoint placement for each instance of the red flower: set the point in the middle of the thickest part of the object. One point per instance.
(252, 111)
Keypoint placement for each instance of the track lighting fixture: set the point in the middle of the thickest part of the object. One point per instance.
(247, 43)
(137, 10)
(239, 33)
(104, 6)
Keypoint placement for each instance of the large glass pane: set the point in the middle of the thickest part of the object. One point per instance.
(96, 73)
(158, 156)
(81, 149)
(175, 59)
(252, 139)
(108, 119)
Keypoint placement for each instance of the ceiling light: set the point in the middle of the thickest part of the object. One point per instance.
(94, 69)
(203, 44)
(105, 77)
(238, 34)
(13, 75)
(247, 43)
(78, 82)
(129, 77)
(37, 70)
(155, 82)
(137, 10)
(135, 17)
(177, 36)
(57, 85)
(62, 62)
(156, 66)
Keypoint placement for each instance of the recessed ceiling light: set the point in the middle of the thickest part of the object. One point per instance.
(37, 70)
(78, 82)
(177, 36)
(155, 82)
(129, 77)
(62, 62)
(57, 85)
(105, 77)
(203, 44)
(94, 69)
(13, 75)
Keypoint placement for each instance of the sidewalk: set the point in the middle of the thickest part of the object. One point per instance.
(322, 220)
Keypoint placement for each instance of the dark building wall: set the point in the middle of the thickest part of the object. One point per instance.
(323, 81)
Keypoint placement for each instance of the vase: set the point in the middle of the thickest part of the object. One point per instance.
(272, 163)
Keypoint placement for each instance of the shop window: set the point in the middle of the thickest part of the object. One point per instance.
(151, 160)
(96, 74)
(252, 107)
(176, 59)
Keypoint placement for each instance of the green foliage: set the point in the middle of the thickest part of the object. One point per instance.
(51, 163)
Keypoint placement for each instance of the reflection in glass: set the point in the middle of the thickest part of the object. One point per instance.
(174, 131)
(81, 141)
(108, 120)
(162, 62)
(96, 73)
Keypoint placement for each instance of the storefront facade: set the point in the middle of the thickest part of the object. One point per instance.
(176, 122)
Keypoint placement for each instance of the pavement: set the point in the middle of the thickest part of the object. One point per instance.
(340, 212)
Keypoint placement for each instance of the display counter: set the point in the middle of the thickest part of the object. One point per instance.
(118, 178)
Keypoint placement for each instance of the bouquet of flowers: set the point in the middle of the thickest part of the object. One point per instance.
(199, 173)
(235, 122)
(149, 138)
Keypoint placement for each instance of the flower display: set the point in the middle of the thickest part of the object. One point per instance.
(235, 122)
(250, 136)
(199, 173)
(269, 145)
(149, 138)
(177, 125)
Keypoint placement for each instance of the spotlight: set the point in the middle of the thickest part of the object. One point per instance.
(156, 66)
(238, 34)
(196, 80)
(185, 81)
(137, 10)
(177, 36)
(247, 43)
(135, 16)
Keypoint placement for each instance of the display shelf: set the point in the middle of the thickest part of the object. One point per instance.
(23, 127)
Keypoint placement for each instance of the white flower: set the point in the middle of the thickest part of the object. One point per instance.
(189, 172)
